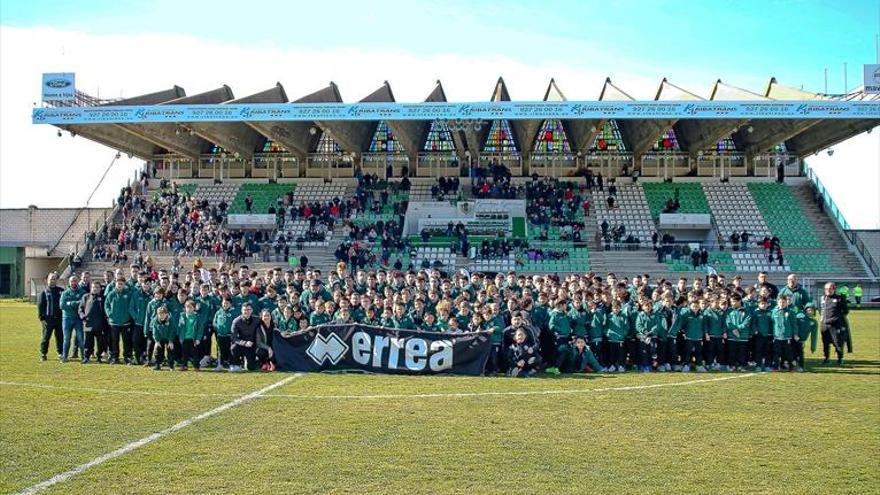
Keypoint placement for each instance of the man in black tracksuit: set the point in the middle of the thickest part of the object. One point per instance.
(49, 313)
(91, 312)
(244, 339)
(833, 322)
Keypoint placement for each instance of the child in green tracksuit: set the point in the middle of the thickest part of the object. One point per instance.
(648, 327)
(693, 325)
(560, 327)
(738, 327)
(762, 328)
(140, 299)
(666, 344)
(784, 328)
(807, 328)
(319, 316)
(206, 306)
(223, 330)
(149, 314)
(189, 334)
(597, 331)
(616, 328)
(578, 315)
(286, 322)
(117, 306)
(429, 323)
(162, 331)
(581, 359)
(713, 319)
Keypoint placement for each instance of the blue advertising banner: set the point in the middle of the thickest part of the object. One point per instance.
(59, 86)
(510, 110)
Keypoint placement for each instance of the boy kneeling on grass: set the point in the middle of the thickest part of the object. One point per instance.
(580, 359)
(164, 336)
(522, 356)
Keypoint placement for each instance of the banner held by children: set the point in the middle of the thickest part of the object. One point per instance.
(381, 350)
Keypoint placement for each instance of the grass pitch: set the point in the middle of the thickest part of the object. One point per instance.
(765, 433)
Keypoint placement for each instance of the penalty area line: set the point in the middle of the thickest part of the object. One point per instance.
(62, 477)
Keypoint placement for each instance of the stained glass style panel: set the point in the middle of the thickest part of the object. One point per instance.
(667, 142)
(551, 138)
(439, 138)
(327, 145)
(384, 140)
(272, 147)
(609, 138)
(500, 139)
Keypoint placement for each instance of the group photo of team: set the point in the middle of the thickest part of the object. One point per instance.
(462, 247)
(226, 319)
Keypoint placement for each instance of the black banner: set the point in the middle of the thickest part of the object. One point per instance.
(381, 350)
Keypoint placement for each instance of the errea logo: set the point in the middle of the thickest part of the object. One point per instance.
(326, 347)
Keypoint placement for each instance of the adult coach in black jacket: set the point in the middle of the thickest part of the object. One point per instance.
(244, 339)
(833, 322)
(49, 313)
(95, 326)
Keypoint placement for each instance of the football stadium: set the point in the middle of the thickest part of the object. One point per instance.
(292, 292)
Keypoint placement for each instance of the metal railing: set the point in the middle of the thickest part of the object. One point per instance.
(840, 221)
(853, 236)
(828, 202)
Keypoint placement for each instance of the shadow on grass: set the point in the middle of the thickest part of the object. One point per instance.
(852, 367)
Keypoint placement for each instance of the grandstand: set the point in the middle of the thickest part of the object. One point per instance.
(723, 168)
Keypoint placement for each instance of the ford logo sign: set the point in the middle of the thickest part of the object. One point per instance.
(57, 83)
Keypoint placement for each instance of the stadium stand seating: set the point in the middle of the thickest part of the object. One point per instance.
(690, 196)
(783, 215)
(578, 261)
(632, 211)
(720, 261)
(294, 229)
(445, 256)
(503, 264)
(317, 192)
(812, 262)
(735, 211)
(215, 193)
(263, 196)
(758, 262)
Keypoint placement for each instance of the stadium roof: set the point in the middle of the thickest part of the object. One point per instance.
(752, 134)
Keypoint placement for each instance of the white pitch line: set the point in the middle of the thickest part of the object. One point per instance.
(60, 478)
(382, 396)
(110, 390)
(518, 392)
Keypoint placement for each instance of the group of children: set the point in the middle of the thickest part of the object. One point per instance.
(225, 318)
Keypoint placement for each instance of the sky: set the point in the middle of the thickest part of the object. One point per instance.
(119, 48)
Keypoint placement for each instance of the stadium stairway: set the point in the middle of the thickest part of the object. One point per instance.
(74, 238)
(834, 246)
